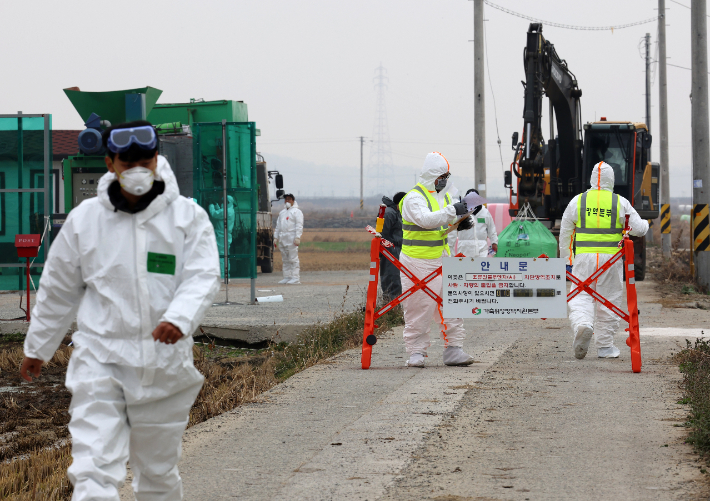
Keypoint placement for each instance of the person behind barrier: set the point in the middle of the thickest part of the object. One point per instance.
(593, 222)
(427, 210)
(216, 210)
(137, 266)
(473, 242)
(287, 235)
(391, 231)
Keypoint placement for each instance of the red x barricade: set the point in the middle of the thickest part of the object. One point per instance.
(379, 245)
(626, 253)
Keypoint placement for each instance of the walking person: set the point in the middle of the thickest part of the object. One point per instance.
(287, 235)
(593, 222)
(391, 231)
(427, 210)
(473, 241)
(137, 266)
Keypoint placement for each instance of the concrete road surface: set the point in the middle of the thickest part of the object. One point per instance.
(526, 421)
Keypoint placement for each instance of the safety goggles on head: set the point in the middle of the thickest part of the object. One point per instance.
(121, 140)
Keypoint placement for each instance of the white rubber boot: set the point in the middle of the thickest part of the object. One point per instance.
(454, 355)
(415, 360)
(610, 352)
(581, 340)
(284, 281)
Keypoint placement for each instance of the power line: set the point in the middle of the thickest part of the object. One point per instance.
(309, 141)
(432, 141)
(682, 67)
(423, 142)
(570, 26)
(678, 3)
(495, 108)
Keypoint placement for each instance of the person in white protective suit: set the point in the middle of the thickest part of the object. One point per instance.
(427, 210)
(593, 221)
(473, 242)
(137, 266)
(217, 216)
(287, 235)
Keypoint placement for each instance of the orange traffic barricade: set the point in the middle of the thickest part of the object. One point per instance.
(626, 252)
(379, 246)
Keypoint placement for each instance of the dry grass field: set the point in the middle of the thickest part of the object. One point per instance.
(331, 249)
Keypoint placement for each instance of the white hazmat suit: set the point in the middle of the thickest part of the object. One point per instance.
(419, 308)
(120, 275)
(587, 315)
(217, 216)
(288, 232)
(474, 241)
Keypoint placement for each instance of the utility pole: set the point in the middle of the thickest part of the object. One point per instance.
(648, 86)
(663, 128)
(701, 150)
(649, 235)
(479, 113)
(362, 142)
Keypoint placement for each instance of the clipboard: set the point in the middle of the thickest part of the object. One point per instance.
(455, 225)
(472, 200)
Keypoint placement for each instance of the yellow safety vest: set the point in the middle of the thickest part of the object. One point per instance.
(424, 243)
(599, 230)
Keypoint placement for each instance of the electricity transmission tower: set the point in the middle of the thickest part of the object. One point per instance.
(381, 172)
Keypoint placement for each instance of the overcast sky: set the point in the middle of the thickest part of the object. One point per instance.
(306, 71)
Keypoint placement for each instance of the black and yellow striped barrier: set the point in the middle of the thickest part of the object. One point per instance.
(701, 227)
(666, 218)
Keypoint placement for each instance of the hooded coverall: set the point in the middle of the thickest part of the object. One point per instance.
(583, 310)
(217, 216)
(120, 274)
(391, 231)
(289, 227)
(474, 242)
(419, 308)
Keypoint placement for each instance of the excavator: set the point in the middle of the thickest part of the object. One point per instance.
(548, 174)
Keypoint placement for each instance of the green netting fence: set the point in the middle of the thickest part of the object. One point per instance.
(235, 142)
(25, 192)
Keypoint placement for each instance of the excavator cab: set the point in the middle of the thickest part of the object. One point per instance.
(626, 147)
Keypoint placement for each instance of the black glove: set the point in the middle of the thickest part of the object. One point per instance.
(477, 209)
(466, 224)
(460, 208)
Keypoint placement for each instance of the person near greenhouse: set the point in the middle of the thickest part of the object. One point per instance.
(473, 242)
(427, 210)
(137, 266)
(287, 235)
(593, 223)
(217, 215)
(392, 232)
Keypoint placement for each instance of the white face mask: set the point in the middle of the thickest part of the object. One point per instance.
(288, 205)
(137, 181)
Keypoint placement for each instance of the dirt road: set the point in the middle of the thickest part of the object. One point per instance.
(527, 421)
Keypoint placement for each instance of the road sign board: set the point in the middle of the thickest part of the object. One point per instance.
(504, 287)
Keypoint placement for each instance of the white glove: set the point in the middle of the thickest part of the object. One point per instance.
(297, 241)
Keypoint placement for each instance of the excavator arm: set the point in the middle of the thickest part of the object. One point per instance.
(548, 192)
